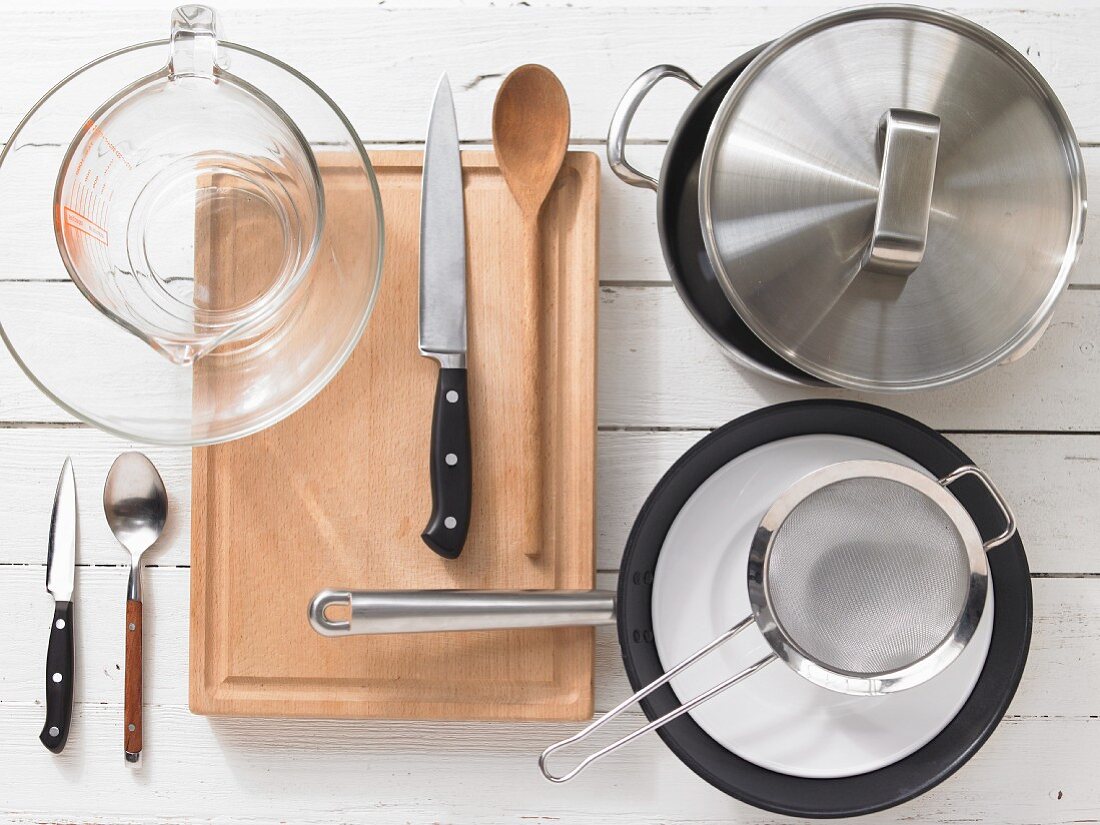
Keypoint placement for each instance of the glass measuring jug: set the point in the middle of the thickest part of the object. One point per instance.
(189, 138)
(222, 296)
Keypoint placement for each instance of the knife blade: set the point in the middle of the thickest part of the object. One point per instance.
(60, 576)
(443, 326)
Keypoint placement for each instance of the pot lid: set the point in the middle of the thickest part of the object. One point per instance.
(892, 198)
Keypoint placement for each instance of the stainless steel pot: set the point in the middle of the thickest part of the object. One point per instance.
(890, 198)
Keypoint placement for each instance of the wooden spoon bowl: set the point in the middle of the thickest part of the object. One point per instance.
(531, 133)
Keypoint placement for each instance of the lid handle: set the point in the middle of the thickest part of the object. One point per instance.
(194, 42)
(909, 142)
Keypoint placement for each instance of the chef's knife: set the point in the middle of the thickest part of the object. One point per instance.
(443, 326)
(60, 573)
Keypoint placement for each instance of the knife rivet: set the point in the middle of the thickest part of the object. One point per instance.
(451, 459)
(131, 727)
(59, 624)
(452, 396)
(450, 522)
(133, 626)
(57, 677)
(55, 731)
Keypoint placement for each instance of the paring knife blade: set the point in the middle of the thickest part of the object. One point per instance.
(60, 576)
(443, 326)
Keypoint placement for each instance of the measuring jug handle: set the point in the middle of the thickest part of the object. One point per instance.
(194, 42)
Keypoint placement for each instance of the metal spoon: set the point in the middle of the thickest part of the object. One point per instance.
(530, 138)
(136, 505)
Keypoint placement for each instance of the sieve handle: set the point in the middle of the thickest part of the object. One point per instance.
(644, 692)
(1010, 520)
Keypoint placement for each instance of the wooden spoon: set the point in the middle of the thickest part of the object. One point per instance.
(530, 137)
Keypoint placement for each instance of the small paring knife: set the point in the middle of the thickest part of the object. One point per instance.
(60, 576)
(443, 326)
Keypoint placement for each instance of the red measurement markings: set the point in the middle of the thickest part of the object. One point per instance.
(82, 223)
(99, 133)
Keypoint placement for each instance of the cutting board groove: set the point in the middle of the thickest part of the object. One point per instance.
(337, 494)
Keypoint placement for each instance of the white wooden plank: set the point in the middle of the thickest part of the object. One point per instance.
(1050, 479)
(659, 368)
(233, 6)
(386, 58)
(89, 361)
(378, 772)
(243, 771)
(32, 460)
(630, 247)
(307, 771)
(1062, 671)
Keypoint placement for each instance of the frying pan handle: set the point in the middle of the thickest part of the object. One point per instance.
(624, 115)
(980, 474)
(435, 611)
(678, 711)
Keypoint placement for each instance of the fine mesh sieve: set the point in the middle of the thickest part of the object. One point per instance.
(865, 577)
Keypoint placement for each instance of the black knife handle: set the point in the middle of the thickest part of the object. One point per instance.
(450, 466)
(60, 658)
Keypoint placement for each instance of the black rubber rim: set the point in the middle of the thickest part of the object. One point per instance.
(678, 222)
(888, 786)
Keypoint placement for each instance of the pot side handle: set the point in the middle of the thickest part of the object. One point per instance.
(624, 114)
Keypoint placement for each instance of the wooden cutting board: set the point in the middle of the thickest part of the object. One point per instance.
(337, 494)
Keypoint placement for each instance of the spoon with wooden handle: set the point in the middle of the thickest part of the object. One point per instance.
(136, 506)
(530, 138)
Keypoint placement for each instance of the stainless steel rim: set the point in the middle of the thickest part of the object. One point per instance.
(887, 682)
(1025, 335)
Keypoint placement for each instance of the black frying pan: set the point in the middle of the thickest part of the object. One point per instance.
(847, 796)
(390, 611)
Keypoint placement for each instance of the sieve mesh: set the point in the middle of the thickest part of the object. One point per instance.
(867, 575)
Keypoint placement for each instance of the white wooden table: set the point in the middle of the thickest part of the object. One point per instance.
(1035, 425)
